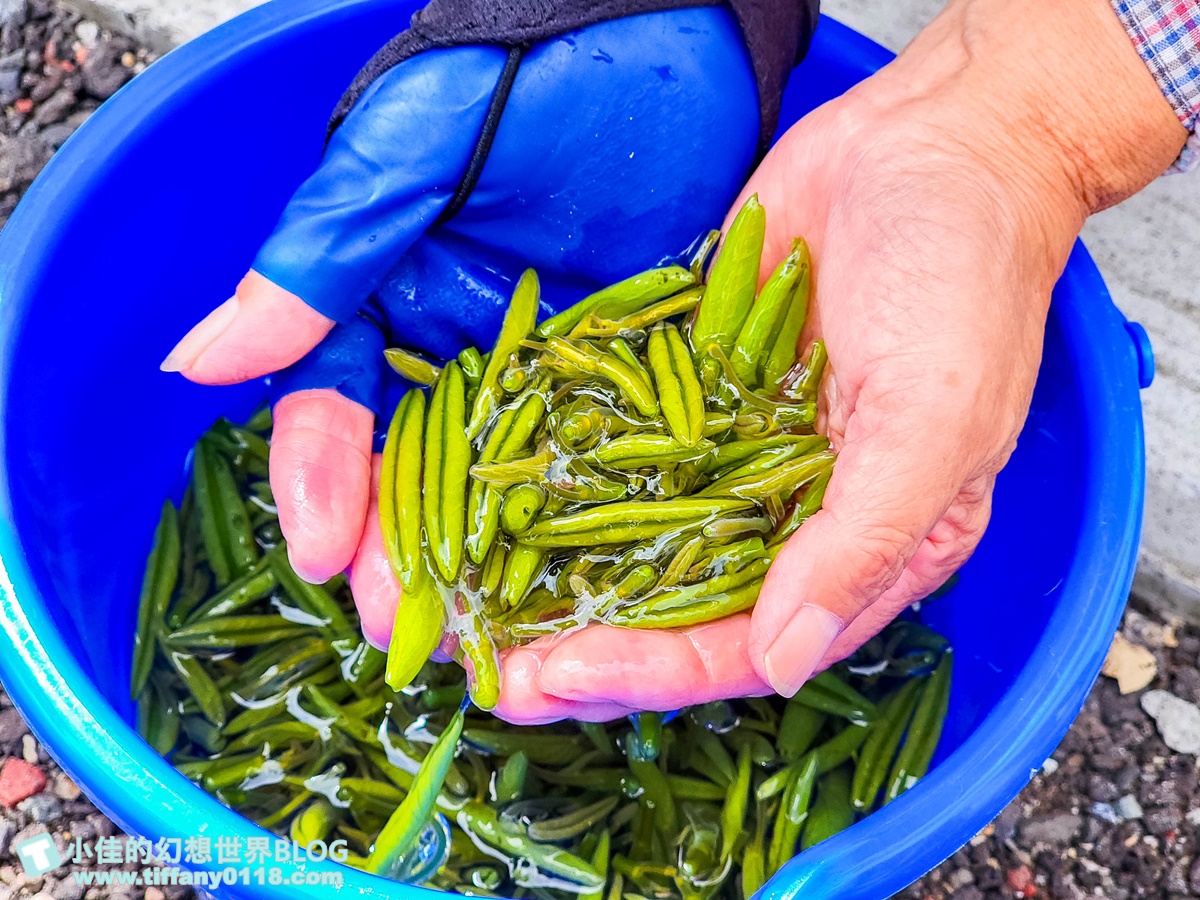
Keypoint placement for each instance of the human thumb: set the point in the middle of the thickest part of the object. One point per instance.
(888, 491)
(260, 329)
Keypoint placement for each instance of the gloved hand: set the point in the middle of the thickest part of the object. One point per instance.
(940, 213)
(618, 141)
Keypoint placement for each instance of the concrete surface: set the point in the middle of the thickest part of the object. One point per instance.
(1146, 249)
(160, 24)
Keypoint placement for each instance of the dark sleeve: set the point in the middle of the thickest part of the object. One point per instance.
(777, 34)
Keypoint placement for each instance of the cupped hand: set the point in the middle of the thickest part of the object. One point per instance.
(931, 300)
(940, 213)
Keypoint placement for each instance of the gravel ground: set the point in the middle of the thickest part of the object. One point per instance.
(55, 69)
(59, 809)
(1115, 813)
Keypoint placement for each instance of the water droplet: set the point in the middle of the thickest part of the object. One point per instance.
(718, 717)
(666, 73)
(432, 850)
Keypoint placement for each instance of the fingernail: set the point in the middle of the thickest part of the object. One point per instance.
(563, 678)
(449, 643)
(446, 649)
(794, 656)
(188, 351)
(305, 573)
(374, 641)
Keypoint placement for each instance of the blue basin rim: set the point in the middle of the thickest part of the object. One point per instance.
(880, 856)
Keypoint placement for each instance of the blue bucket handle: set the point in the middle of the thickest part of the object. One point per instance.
(1144, 351)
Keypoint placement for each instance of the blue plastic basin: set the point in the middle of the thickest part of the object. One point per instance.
(150, 213)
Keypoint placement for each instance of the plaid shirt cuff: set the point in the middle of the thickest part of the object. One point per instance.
(1166, 34)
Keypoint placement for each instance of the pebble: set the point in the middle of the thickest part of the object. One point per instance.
(1163, 820)
(1110, 759)
(1101, 789)
(1126, 778)
(103, 73)
(1128, 808)
(88, 33)
(1094, 828)
(12, 726)
(56, 108)
(65, 788)
(1119, 709)
(102, 825)
(80, 116)
(45, 88)
(69, 889)
(42, 808)
(960, 878)
(56, 135)
(1019, 879)
(12, 12)
(1141, 628)
(18, 780)
(1006, 823)
(10, 90)
(1167, 792)
(1193, 816)
(1177, 881)
(7, 830)
(84, 830)
(1178, 721)
(153, 893)
(29, 749)
(1057, 830)
(1107, 812)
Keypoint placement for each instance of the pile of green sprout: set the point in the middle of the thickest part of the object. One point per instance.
(638, 459)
